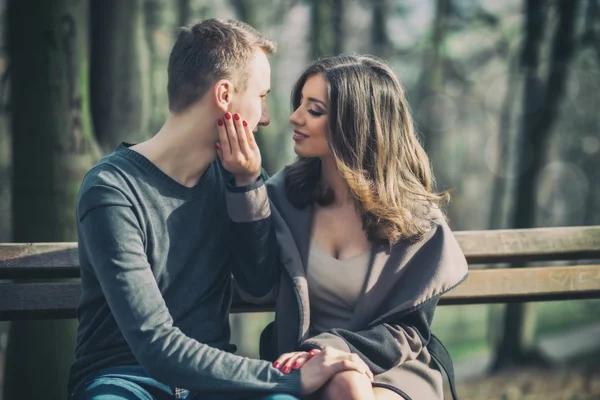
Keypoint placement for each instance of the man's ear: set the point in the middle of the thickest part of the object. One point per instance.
(222, 94)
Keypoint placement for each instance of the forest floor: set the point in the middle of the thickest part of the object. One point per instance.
(580, 382)
(573, 372)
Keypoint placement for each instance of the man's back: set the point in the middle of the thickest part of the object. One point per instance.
(183, 235)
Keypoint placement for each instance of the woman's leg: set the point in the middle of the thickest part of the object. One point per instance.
(348, 385)
(353, 385)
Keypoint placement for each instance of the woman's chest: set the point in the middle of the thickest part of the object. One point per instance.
(339, 232)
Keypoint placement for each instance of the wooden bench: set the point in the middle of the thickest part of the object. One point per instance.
(39, 280)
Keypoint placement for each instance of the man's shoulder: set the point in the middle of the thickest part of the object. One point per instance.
(106, 183)
(111, 171)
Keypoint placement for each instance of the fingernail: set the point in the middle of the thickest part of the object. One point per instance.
(295, 365)
(286, 369)
(313, 352)
(236, 116)
(220, 122)
(244, 123)
(227, 115)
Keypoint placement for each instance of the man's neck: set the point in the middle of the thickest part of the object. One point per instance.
(182, 149)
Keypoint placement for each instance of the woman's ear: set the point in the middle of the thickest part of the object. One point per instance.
(222, 91)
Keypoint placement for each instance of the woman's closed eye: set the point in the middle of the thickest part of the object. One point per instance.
(314, 113)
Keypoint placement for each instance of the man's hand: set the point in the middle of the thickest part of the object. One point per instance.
(238, 150)
(322, 366)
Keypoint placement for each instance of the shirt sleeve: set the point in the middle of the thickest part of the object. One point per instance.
(111, 235)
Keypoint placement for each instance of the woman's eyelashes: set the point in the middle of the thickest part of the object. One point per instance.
(314, 113)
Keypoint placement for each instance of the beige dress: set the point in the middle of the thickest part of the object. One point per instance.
(334, 287)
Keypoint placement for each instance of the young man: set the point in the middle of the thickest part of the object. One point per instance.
(163, 225)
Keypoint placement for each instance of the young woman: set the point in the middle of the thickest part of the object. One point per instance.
(365, 246)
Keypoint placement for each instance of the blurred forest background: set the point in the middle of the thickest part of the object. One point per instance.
(506, 95)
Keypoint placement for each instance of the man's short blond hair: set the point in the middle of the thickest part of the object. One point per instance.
(208, 51)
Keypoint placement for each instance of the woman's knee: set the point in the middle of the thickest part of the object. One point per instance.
(348, 385)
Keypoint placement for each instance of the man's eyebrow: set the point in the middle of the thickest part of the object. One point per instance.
(316, 101)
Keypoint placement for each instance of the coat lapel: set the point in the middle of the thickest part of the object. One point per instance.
(300, 226)
(298, 220)
(293, 226)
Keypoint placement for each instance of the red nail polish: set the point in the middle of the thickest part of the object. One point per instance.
(295, 365)
(236, 116)
(276, 364)
(220, 122)
(244, 123)
(286, 369)
(227, 115)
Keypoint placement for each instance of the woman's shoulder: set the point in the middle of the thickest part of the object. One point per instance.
(276, 187)
(278, 179)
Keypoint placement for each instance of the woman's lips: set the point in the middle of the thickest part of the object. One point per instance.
(297, 136)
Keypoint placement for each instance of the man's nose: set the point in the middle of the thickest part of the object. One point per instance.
(265, 119)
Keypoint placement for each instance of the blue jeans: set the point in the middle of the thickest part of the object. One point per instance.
(131, 383)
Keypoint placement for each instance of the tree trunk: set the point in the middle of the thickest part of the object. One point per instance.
(53, 148)
(338, 19)
(161, 22)
(184, 13)
(541, 106)
(246, 11)
(380, 41)
(430, 118)
(591, 34)
(504, 169)
(5, 174)
(120, 73)
(5, 143)
(321, 38)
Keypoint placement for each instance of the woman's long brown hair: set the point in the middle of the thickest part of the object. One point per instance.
(372, 138)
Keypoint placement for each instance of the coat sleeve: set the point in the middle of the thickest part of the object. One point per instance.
(254, 249)
(385, 345)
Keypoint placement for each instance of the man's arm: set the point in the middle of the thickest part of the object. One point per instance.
(113, 240)
(255, 251)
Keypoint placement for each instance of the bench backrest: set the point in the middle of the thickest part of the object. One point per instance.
(40, 279)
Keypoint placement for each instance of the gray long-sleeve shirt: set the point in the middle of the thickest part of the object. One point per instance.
(156, 262)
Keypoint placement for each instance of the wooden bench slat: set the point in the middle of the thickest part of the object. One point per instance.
(60, 260)
(39, 260)
(534, 284)
(539, 244)
(58, 299)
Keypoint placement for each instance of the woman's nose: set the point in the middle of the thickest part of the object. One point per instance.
(295, 118)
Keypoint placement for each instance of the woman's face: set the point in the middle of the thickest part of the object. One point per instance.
(310, 119)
